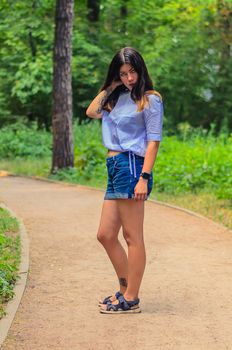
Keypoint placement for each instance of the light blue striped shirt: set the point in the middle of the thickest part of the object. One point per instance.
(125, 129)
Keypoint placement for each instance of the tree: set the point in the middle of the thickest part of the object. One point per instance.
(222, 104)
(186, 46)
(63, 155)
(94, 9)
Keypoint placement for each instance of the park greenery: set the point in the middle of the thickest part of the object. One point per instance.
(9, 257)
(186, 46)
(191, 162)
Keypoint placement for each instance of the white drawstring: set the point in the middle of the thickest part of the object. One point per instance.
(134, 166)
(133, 163)
(130, 162)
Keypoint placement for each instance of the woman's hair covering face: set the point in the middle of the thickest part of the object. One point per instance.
(128, 55)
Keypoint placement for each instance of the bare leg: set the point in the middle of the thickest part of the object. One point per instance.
(107, 235)
(132, 216)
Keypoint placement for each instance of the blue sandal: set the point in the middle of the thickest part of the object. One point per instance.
(107, 299)
(123, 307)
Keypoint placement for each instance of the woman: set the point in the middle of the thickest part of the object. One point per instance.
(132, 114)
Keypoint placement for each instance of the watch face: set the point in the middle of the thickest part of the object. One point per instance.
(145, 176)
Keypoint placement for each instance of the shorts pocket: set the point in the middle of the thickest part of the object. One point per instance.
(121, 164)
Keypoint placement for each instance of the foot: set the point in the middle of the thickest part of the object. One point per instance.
(110, 299)
(114, 299)
(121, 305)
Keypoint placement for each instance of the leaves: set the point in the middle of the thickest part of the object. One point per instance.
(18, 140)
(9, 256)
(185, 46)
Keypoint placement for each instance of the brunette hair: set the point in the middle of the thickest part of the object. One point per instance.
(143, 87)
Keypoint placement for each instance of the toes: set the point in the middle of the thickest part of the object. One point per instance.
(103, 307)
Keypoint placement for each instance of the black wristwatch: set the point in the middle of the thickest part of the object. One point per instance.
(145, 176)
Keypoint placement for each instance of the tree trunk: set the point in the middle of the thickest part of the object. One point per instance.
(63, 156)
(223, 91)
(93, 10)
(124, 15)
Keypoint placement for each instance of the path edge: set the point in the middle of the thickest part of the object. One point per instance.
(187, 211)
(193, 213)
(19, 288)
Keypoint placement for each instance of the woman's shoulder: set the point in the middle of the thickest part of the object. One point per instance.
(153, 100)
(153, 95)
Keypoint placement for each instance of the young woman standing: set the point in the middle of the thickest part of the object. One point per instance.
(132, 115)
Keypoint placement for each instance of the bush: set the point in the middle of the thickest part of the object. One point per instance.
(9, 256)
(198, 163)
(191, 161)
(19, 140)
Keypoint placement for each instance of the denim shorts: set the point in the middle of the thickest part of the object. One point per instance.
(124, 170)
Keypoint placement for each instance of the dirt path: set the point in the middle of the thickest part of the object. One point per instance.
(186, 295)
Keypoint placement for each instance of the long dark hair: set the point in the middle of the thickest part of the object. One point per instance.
(144, 85)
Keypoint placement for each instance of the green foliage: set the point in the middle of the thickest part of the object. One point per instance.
(9, 256)
(89, 156)
(199, 162)
(89, 153)
(33, 78)
(26, 64)
(86, 60)
(186, 46)
(188, 162)
(19, 140)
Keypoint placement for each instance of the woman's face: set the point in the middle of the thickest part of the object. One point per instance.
(128, 76)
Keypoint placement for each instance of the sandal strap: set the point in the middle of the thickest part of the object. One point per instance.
(107, 299)
(123, 304)
(130, 302)
(118, 294)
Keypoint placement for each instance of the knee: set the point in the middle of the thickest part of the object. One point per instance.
(133, 237)
(101, 236)
(104, 237)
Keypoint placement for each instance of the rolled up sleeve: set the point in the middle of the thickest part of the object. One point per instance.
(153, 118)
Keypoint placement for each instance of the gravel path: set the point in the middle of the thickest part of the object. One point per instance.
(186, 294)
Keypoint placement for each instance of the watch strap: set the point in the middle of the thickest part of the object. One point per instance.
(145, 175)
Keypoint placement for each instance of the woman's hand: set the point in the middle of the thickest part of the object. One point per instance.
(95, 108)
(116, 83)
(141, 189)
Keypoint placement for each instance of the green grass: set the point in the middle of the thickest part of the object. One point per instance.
(9, 257)
(193, 168)
(204, 203)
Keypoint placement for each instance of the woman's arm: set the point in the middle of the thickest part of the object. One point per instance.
(149, 161)
(95, 108)
(150, 156)
(153, 117)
